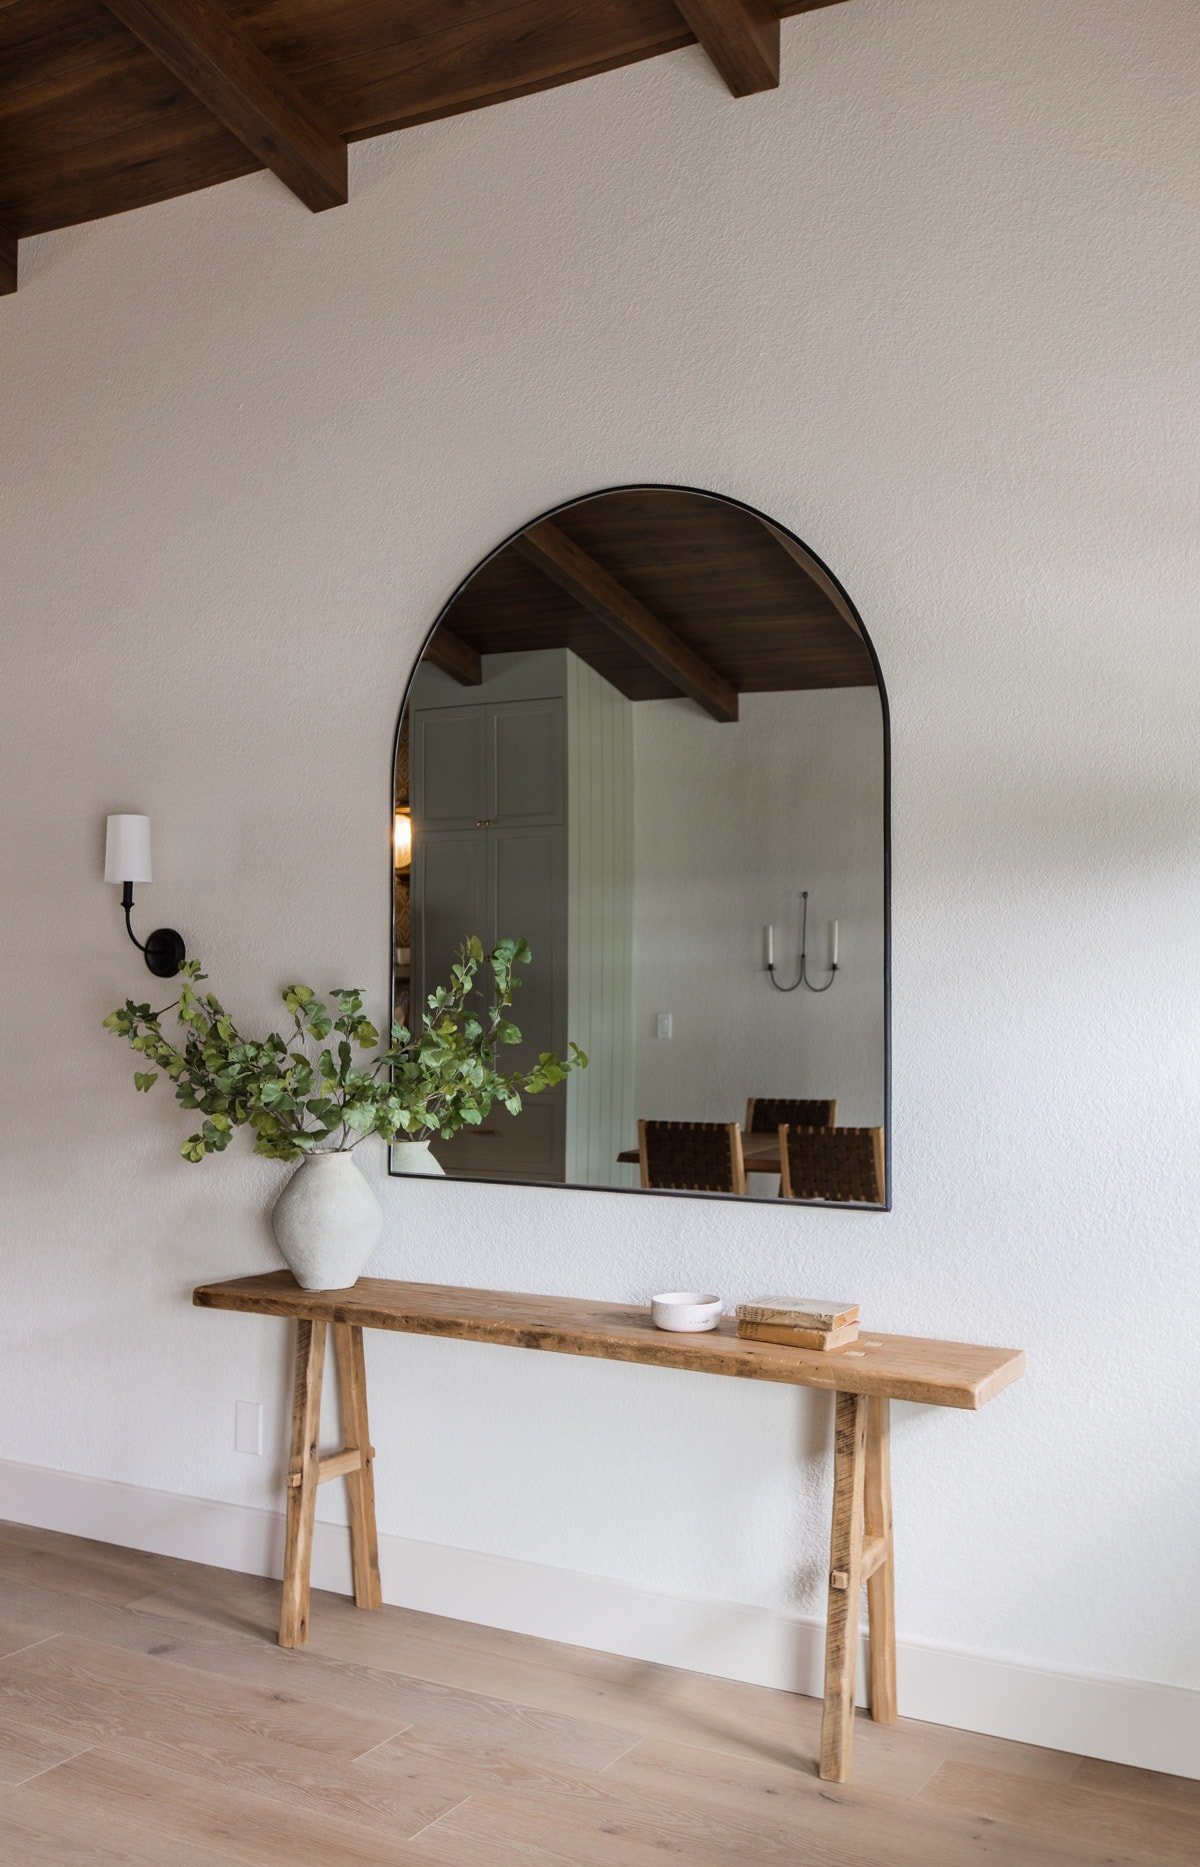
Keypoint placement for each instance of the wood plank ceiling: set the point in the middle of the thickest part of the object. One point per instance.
(665, 593)
(107, 105)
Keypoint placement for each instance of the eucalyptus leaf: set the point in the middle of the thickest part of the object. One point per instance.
(432, 1080)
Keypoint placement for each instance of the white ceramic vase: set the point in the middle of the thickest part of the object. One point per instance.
(416, 1157)
(327, 1222)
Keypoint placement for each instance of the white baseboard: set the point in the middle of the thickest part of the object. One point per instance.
(1122, 1720)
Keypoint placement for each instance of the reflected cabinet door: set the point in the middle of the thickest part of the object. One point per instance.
(489, 860)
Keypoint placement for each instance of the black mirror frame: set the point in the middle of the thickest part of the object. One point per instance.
(742, 505)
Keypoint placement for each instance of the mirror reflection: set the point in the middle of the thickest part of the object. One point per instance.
(648, 738)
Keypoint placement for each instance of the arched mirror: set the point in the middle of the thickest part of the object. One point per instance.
(648, 737)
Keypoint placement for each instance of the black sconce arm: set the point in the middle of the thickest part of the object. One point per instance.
(164, 951)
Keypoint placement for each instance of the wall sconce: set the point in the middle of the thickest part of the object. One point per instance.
(802, 977)
(402, 839)
(126, 861)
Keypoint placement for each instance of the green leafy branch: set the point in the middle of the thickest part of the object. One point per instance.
(319, 1087)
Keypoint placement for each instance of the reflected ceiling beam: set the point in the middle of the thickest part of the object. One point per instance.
(816, 573)
(8, 261)
(209, 53)
(570, 567)
(454, 657)
(741, 38)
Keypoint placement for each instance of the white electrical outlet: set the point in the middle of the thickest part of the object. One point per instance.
(662, 1024)
(247, 1427)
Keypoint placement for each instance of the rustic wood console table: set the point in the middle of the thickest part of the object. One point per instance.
(864, 1378)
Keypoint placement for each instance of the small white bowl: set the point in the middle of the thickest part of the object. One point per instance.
(685, 1312)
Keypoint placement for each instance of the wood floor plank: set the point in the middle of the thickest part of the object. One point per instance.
(1120, 1779)
(632, 1696)
(641, 1699)
(36, 1831)
(754, 1791)
(839, 1825)
(239, 1737)
(1099, 1819)
(255, 1659)
(152, 1721)
(254, 1831)
(26, 1750)
(93, 1571)
(97, 1694)
(14, 1636)
(655, 1776)
(427, 1750)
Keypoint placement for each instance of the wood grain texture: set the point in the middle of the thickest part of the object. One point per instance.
(380, 1744)
(881, 1575)
(742, 39)
(709, 571)
(945, 1374)
(588, 583)
(454, 657)
(91, 124)
(199, 42)
(1068, 1811)
(360, 1482)
(302, 1498)
(845, 1577)
(8, 260)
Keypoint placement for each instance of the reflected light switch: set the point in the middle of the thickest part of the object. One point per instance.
(662, 1024)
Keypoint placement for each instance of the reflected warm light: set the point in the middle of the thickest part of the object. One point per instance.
(402, 840)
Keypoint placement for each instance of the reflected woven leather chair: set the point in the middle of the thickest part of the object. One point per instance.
(842, 1164)
(692, 1156)
(766, 1114)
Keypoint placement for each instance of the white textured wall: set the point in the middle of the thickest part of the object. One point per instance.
(933, 305)
(730, 823)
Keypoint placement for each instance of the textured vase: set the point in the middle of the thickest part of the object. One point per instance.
(327, 1222)
(415, 1157)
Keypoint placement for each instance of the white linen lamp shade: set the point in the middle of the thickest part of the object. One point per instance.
(127, 850)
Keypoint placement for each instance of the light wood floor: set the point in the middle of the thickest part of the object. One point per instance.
(148, 1719)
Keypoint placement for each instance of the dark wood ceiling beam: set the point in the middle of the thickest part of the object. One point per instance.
(741, 38)
(574, 571)
(455, 657)
(8, 261)
(816, 573)
(200, 43)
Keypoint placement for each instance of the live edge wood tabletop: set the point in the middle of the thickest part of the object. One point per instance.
(864, 1377)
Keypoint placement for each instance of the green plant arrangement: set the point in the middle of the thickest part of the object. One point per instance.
(329, 1083)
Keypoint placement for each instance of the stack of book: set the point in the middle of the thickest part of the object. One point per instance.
(799, 1322)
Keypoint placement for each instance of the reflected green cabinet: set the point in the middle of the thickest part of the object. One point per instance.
(522, 825)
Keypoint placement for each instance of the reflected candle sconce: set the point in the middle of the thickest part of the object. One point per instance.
(127, 862)
(402, 843)
(802, 977)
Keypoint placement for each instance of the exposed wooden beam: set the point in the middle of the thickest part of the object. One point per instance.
(208, 52)
(815, 574)
(8, 261)
(741, 38)
(455, 657)
(571, 568)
